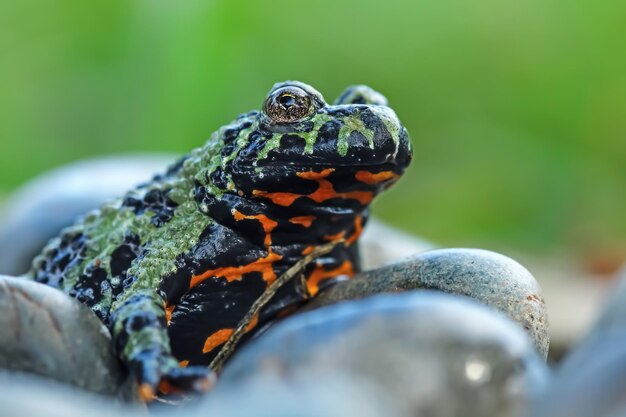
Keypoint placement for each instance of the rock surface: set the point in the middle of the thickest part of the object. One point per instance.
(45, 332)
(490, 278)
(591, 380)
(317, 395)
(29, 396)
(432, 354)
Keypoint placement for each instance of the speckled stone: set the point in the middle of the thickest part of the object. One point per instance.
(431, 354)
(52, 201)
(45, 332)
(488, 277)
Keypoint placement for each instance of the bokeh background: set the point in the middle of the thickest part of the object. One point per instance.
(516, 109)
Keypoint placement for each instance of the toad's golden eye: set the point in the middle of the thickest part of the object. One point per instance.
(288, 105)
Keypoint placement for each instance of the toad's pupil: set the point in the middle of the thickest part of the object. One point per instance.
(287, 101)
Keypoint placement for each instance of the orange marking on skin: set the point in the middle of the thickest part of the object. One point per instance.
(216, 339)
(267, 224)
(336, 236)
(308, 249)
(183, 364)
(168, 313)
(312, 175)
(234, 273)
(262, 265)
(146, 392)
(166, 388)
(280, 199)
(363, 197)
(371, 178)
(253, 323)
(222, 336)
(358, 229)
(305, 221)
(320, 273)
(287, 311)
(324, 192)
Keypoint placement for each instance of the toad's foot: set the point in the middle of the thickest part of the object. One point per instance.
(160, 374)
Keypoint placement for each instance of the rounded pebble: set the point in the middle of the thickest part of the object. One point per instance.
(589, 382)
(45, 332)
(487, 277)
(430, 353)
(29, 396)
(318, 394)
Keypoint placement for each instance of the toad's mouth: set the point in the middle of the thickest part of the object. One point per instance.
(389, 160)
(273, 174)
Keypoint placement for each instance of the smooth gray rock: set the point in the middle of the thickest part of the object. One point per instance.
(591, 379)
(45, 332)
(488, 277)
(48, 203)
(431, 354)
(317, 395)
(29, 396)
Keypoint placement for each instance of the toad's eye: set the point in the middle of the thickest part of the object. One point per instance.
(288, 105)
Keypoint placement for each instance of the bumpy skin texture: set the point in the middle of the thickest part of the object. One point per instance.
(175, 264)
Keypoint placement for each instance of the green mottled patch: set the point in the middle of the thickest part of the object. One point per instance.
(147, 338)
(178, 236)
(353, 124)
(270, 145)
(342, 145)
(309, 137)
(241, 141)
(389, 120)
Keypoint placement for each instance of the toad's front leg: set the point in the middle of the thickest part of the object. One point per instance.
(140, 335)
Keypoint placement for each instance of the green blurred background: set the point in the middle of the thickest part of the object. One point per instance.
(516, 109)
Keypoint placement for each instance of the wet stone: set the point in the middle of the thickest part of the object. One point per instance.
(487, 277)
(45, 332)
(429, 353)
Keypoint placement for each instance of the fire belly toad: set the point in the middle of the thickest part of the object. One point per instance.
(173, 266)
